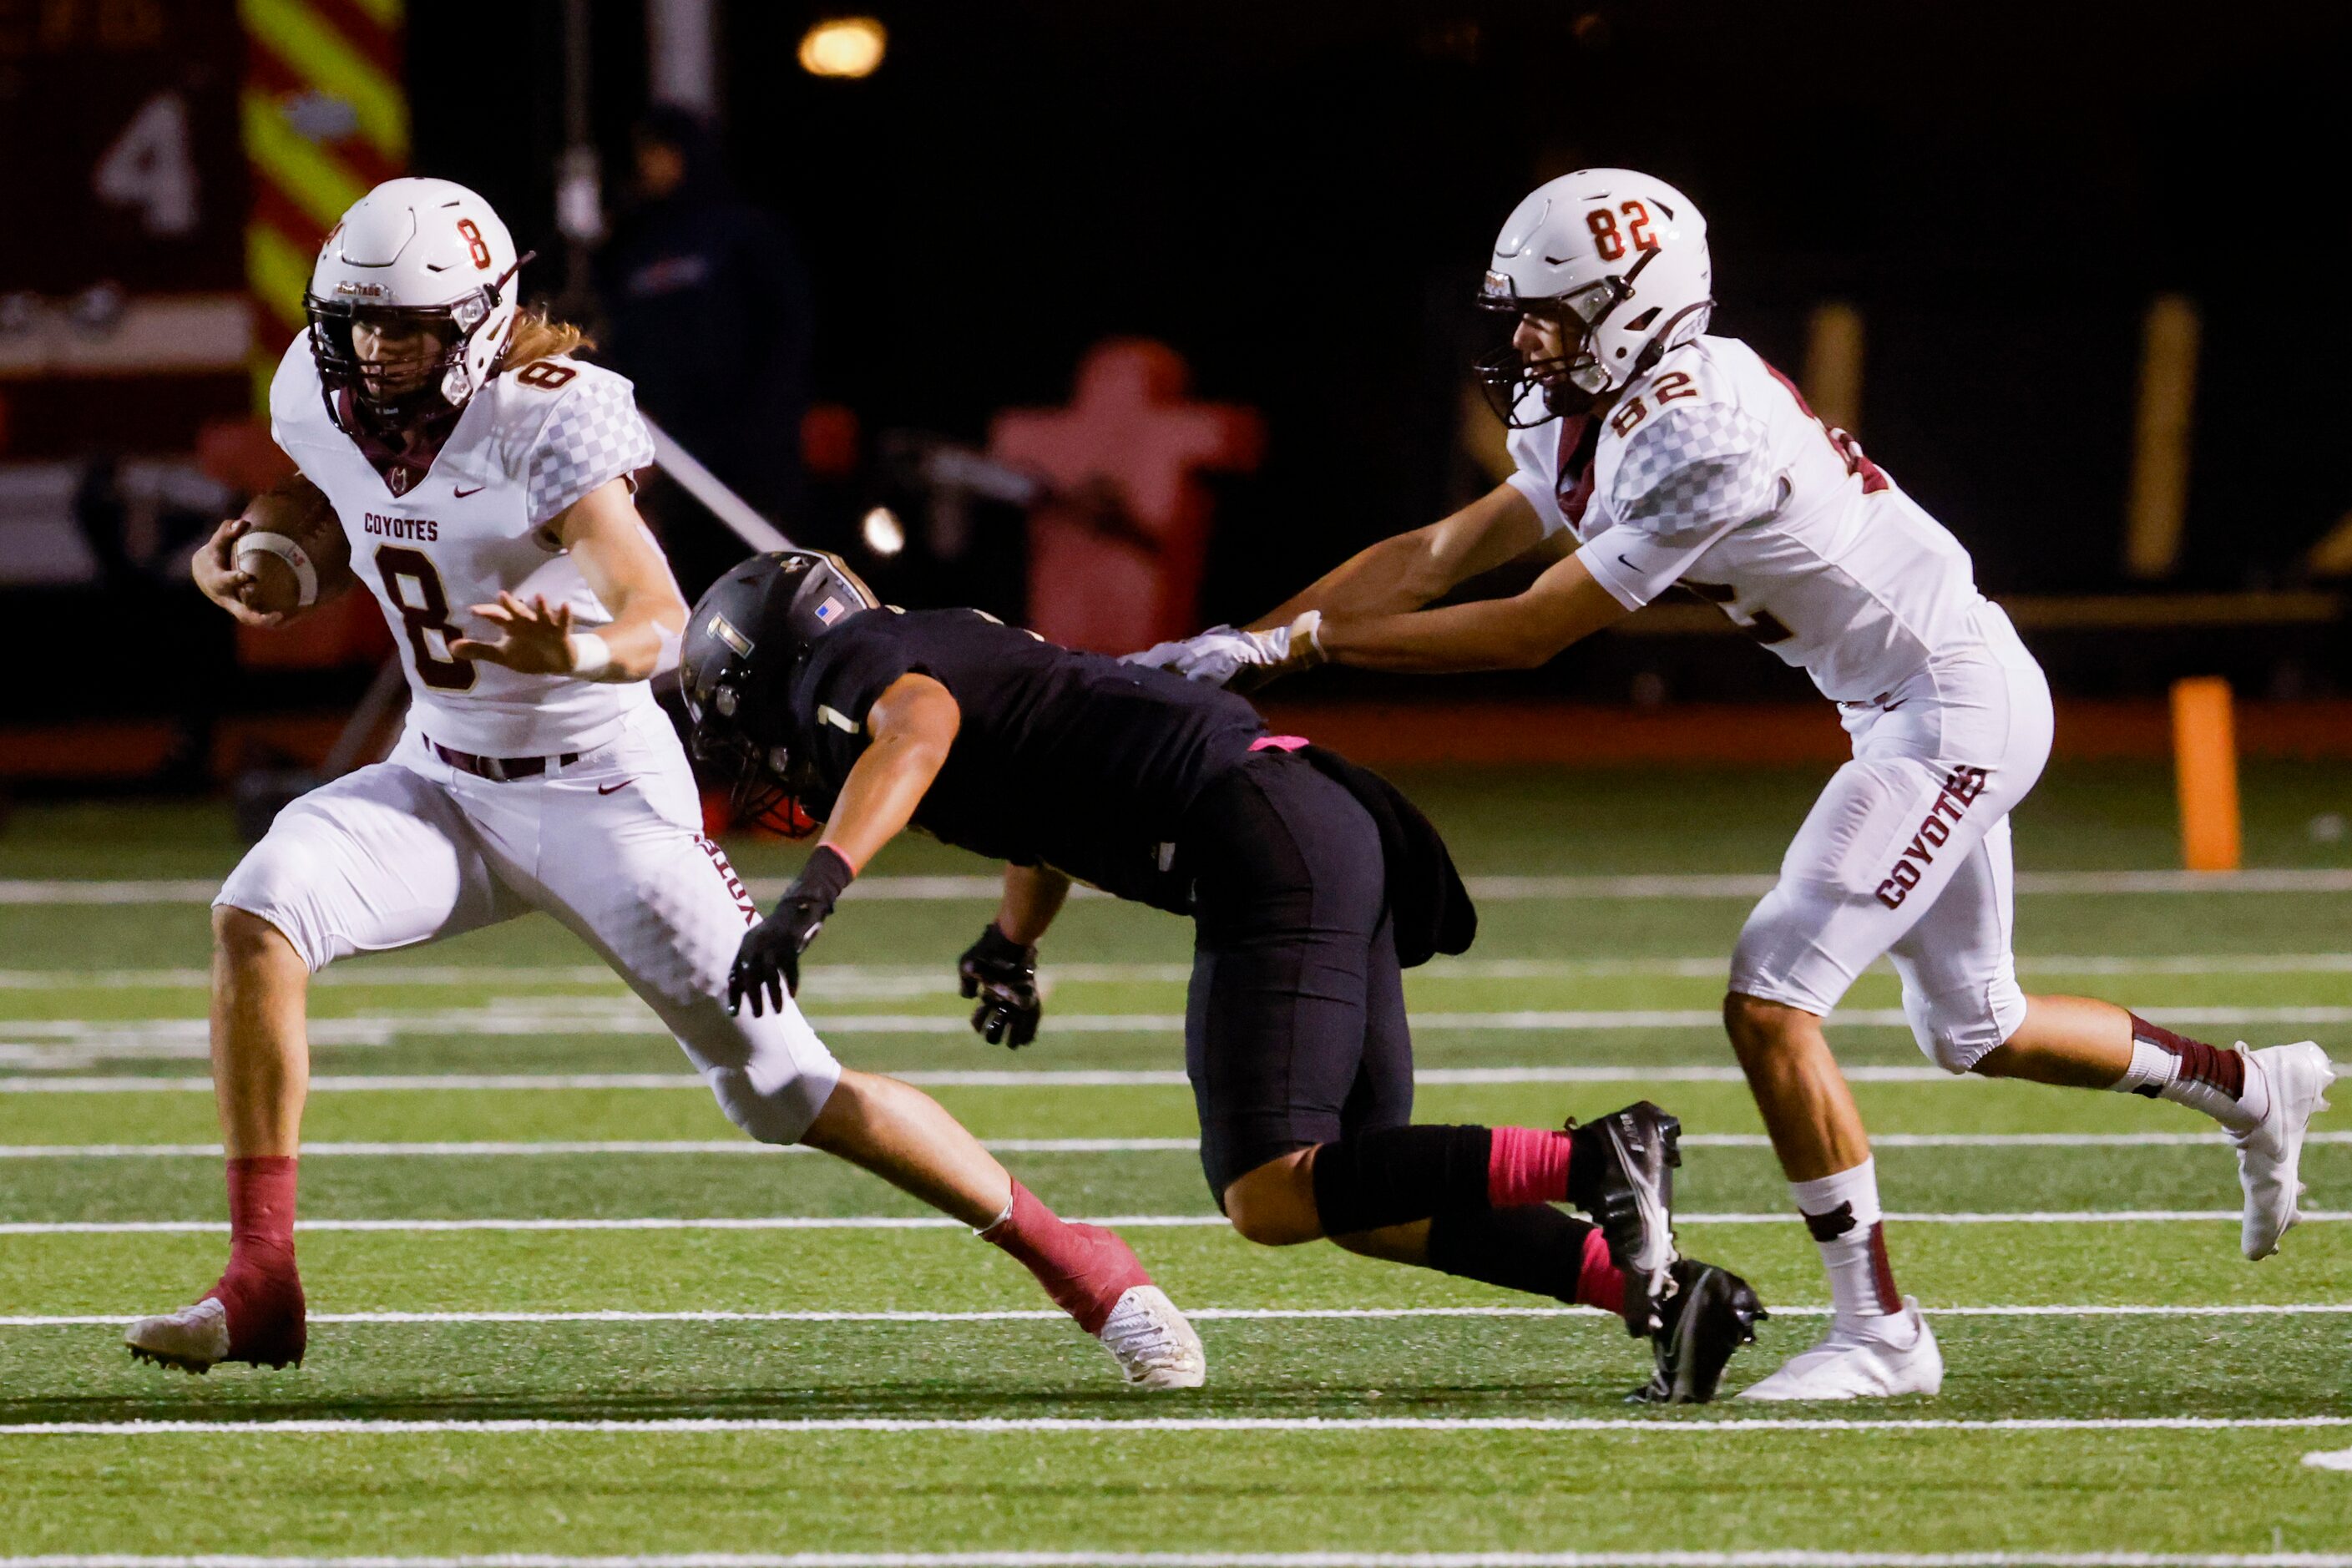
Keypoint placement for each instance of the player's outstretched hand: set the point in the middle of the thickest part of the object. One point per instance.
(1003, 974)
(767, 965)
(1244, 661)
(214, 566)
(535, 638)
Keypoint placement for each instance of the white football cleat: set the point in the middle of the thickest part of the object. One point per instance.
(2270, 1153)
(194, 1339)
(1154, 1345)
(1862, 1358)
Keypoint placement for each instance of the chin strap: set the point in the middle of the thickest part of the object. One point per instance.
(1655, 349)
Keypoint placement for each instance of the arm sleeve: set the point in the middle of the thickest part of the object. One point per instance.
(1681, 484)
(593, 437)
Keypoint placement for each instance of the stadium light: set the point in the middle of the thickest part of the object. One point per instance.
(884, 533)
(844, 47)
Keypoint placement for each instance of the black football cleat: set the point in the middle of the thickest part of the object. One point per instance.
(1707, 1315)
(1622, 1172)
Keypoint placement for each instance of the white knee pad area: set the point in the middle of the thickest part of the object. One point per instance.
(1959, 1029)
(276, 882)
(782, 1115)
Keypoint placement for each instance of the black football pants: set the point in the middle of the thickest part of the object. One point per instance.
(1295, 1030)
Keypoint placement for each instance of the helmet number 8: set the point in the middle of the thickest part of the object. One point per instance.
(412, 584)
(479, 247)
(1609, 241)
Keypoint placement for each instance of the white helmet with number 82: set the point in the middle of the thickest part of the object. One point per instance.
(412, 255)
(1618, 260)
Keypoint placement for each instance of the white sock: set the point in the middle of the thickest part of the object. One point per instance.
(2156, 1072)
(1842, 1212)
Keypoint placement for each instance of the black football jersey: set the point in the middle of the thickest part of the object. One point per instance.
(1069, 760)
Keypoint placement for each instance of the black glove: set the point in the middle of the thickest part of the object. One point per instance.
(1004, 974)
(768, 961)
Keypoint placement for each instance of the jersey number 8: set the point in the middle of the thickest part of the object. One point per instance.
(412, 584)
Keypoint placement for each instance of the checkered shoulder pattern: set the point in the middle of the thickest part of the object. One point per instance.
(1694, 470)
(594, 435)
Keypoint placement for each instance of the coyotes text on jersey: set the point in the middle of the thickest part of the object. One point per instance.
(469, 520)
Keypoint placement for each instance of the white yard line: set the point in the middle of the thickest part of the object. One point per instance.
(200, 891)
(923, 980)
(1127, 1222)
(1761, 1558)
(1198, 1314)
(624, 1146)
(943, 1078)
(986, 1425)
(66, 1043)
(947, 1078)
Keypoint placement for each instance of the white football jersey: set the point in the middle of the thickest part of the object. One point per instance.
(532, 442)
(1711, 472)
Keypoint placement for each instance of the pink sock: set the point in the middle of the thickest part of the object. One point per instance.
(1083, 1268)
(1525, 1165)
(1602, 1283)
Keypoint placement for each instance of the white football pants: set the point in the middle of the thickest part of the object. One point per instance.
(411, 850)
(1907, 853)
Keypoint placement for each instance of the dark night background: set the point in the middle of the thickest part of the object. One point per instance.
(1300, 197)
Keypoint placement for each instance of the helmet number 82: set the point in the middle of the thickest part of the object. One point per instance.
(1609, 240)
(412, 585)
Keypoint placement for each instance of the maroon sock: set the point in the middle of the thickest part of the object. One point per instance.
(261, 1212)
(261, 1288)
(2199, 1063)
(1601, 1283)
(1083, 1268)
(1882, 1271)
(1525, 1165)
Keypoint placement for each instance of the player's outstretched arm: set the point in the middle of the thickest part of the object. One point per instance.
(1521, 632)
(1406, 571)
(624, 570)
(1396, 576)
(913, 723)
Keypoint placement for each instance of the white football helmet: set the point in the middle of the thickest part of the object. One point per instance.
(1619, 259)
(429, 253)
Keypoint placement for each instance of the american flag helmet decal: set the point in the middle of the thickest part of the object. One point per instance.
(826, 611)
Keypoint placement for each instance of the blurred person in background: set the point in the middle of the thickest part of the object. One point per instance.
(707, 312)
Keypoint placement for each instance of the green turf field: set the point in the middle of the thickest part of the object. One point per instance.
(561, 1308)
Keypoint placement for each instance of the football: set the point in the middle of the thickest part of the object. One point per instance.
(294, 550)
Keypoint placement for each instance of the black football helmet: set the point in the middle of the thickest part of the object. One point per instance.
(745, 642)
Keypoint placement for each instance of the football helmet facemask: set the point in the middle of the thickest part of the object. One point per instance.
(1617, 261)
(416, 258)
(745, 643)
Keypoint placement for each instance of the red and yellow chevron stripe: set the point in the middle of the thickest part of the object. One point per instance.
(324, 116)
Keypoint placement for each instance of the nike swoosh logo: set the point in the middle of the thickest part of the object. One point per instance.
(607, 789)
(478, 490)
(1627, 564)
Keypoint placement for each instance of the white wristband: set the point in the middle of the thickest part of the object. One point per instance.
(306, 575)
(590, 656)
